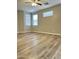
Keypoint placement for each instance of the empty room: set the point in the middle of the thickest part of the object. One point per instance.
(38, 29)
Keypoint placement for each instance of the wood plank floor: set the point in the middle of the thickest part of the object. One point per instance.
(37, 45)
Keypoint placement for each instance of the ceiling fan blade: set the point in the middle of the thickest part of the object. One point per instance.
(46, 3)
(39, 3)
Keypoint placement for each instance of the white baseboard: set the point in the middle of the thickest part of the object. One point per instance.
(23, 32)
(47, 33)
(40, 32)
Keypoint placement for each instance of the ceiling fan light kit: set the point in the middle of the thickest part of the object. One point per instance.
(37, 2)
(34, 4)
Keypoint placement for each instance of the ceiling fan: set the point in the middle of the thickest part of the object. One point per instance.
(37, 2)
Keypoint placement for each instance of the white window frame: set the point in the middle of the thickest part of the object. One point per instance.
(48, 13)
(35, 19)
(27, 19)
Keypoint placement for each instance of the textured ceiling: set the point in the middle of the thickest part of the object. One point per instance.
(29, 8)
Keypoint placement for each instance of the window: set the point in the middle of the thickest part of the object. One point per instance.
(35, 20)
(28, 20)
(49, 13)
